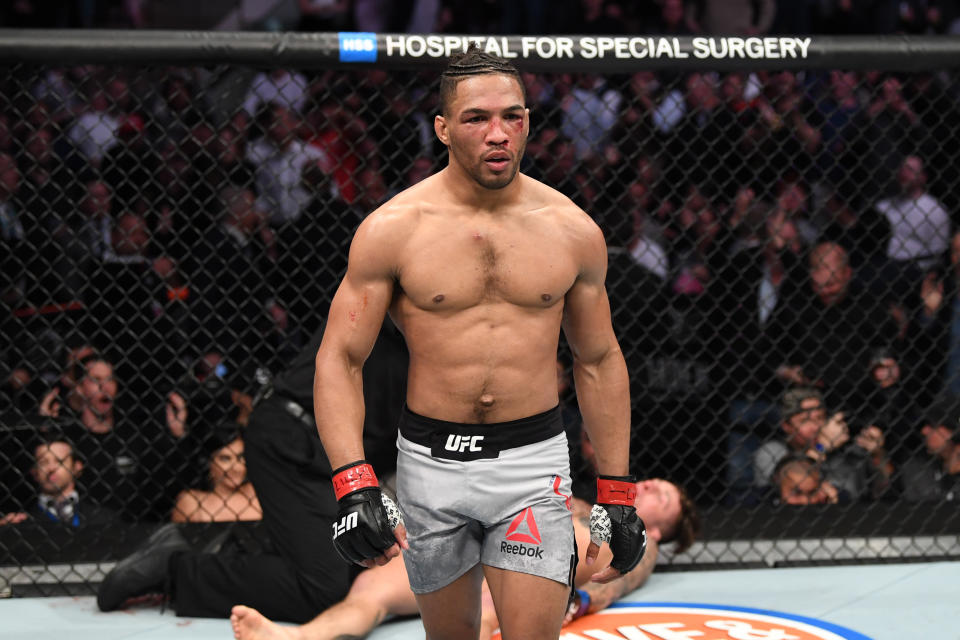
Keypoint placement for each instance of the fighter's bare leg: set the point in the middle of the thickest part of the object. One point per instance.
(374, 594)
(528, 606)
(453, 612)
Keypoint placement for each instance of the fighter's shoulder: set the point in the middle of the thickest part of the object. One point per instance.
(563, 210)
(394, 220)
(578, 232)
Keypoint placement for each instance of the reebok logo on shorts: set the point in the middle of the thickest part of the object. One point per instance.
(523, 528)
(520, 550)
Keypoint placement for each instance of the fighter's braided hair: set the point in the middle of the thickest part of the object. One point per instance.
(472, 62)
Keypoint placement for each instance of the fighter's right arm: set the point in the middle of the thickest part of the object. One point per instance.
(356, 315)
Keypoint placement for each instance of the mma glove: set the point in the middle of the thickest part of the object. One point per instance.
(614, 520)
(366, 517)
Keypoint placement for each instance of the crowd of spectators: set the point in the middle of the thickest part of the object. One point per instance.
(784, 253)
(665, 17)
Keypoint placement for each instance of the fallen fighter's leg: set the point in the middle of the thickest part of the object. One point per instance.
(374, 595)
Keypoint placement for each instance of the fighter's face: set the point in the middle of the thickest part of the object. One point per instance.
(658, 504)
(486, 128)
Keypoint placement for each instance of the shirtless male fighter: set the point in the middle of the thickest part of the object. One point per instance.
(480, 267)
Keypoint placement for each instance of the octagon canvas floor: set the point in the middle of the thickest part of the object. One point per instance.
(882, 602)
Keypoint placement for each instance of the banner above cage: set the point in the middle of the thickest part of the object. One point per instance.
(579, 53)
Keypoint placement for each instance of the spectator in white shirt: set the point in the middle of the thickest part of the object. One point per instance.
(95, 130)
(280, 158)
(920, 225)
(645, 247)
(278, 86)
(590, 111)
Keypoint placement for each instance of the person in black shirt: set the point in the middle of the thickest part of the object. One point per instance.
(935, 475)
(111, 438)
(292, 477)
(827, 335)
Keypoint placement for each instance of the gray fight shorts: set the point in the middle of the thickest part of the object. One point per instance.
(495, 494)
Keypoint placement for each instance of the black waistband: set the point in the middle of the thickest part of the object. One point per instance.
(459, 441)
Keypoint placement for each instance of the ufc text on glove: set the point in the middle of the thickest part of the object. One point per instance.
(365, 517)
(614, 520)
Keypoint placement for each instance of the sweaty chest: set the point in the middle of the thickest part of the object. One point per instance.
(469, 267)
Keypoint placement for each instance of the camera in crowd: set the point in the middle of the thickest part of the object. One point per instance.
(214, 389)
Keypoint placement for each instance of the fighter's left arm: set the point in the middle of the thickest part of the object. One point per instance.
(599, 369)
(603, 393)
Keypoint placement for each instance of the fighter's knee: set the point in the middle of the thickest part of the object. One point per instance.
(366, 581)
(381, 594)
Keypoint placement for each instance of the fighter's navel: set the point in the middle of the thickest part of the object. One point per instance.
(439, 298)
(486, 400)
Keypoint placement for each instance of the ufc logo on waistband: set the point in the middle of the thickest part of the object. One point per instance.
(463, 443)
(457, 447)
(346, 523)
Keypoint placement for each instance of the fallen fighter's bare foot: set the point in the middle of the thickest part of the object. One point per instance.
(250, 624)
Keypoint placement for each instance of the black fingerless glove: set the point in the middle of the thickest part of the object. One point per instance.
(363, 529)
(614, 520)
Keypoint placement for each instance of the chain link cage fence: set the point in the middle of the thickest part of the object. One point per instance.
(176, 211)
